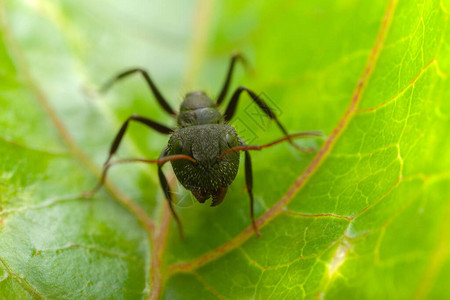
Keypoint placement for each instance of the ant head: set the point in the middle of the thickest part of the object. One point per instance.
(208, 176)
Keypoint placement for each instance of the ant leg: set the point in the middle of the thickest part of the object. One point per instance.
(159, 97)
(249, 184)
(234, 58)
(231, 109)
(165, 186)
(160, 162)
(115, 144)
(152, 124)
(168, 194)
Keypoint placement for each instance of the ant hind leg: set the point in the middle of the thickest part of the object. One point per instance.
(159, 97)
(223, 93)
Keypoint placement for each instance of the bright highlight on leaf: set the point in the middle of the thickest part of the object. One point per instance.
(338, 259)
(366, 216)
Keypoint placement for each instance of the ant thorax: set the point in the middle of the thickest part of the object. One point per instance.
(198, 109)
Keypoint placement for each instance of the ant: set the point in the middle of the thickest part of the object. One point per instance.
(203, 149)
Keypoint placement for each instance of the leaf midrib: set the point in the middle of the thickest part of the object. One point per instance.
(326, 148)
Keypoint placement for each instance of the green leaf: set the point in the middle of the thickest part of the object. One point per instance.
(366, 216)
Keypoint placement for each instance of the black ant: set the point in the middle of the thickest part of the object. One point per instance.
(203, 149)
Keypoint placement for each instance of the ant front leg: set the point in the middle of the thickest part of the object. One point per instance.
(223, 93)
(159, 97)
(168, 194)
(249, 185)
(248, 164)
(231, 109)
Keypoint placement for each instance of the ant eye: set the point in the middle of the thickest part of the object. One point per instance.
(231, 141)
(178, 146)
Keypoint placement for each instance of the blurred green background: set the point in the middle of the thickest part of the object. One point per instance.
(368, 219)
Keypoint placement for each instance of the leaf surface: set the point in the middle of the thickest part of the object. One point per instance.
(366, 216)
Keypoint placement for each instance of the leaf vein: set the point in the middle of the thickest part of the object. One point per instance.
(277, 208)
(30, 289)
